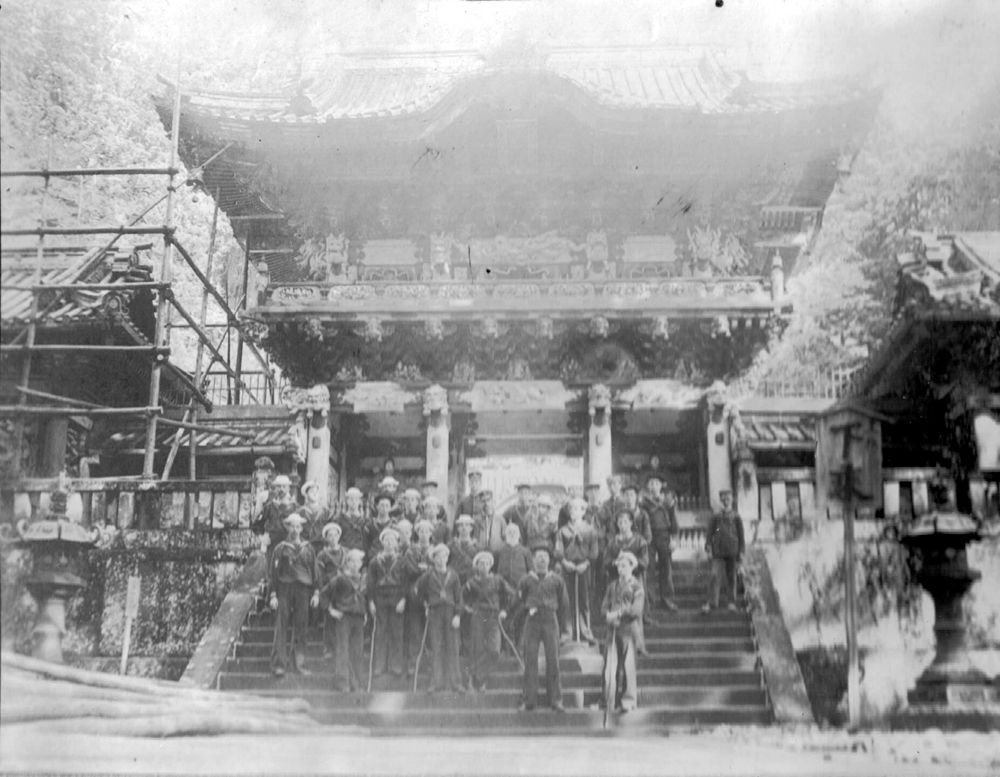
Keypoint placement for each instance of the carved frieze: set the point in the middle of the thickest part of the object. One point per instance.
(314, 398)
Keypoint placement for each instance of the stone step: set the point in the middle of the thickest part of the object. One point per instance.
(510, 722)
(685, 632)
(265, 617)
(650, 678)
(260, 661)
(580, 699)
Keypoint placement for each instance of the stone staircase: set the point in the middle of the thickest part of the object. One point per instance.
(701, 671)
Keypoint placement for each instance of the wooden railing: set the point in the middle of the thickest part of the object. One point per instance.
(830, 384)
(128, 503)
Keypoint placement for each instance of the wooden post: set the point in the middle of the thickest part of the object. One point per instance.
(850, 595)
(131, 612)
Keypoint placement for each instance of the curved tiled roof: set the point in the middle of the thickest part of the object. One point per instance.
(368, 86)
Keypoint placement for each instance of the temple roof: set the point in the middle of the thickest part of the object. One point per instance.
(361, 86)
(950, 281)
(59, 266)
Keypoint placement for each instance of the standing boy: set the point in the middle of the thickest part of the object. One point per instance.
(487, 598)
(291, 569)
(439, 590)
(543, 595)
(725, 544)
(622, 608)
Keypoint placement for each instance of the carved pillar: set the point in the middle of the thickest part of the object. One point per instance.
(746, 487)
(310, 413)
(436, 413)
(599, 459)
(719, 469)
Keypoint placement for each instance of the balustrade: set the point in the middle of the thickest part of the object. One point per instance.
(127, 503)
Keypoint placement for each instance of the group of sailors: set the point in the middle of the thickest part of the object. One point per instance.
(457, 593)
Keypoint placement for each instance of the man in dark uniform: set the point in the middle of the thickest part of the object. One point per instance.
(520, 511)
(440, 591)
(489, 526)
(487, 598)
(725, 543)
(662, 510)
(347, 595)
(353, 522)
(387, 605)
(469, 503)
(380, 521)
(428, 489)
(316, 513)
(542, 593)
(292, 577)
(280, 504)
(329, 563)
(416, 561)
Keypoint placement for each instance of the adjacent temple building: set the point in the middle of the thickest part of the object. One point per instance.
(474, 257)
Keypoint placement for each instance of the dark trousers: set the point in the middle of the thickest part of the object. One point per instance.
(578, 586)
(388, 639)
(542, 627)
(293, 613)
(485, 632)
(413, 632)
(599, 580)
(723, 568)
(443, 639)
(659, 559)
(349, 661)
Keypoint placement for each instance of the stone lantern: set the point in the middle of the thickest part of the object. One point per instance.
(951, 692)
(59, 557)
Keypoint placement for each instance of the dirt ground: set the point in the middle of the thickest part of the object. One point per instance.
(737, 751)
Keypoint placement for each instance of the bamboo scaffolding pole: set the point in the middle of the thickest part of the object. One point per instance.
(56, 397)
(31, 331)
(230, 315)
(56, 347)
(242, 304)
(202, 317)
(122, 286)
(120, 230)
(85, 171)
(81, 411)
(204, 338)
(165, 276)
(175, 446)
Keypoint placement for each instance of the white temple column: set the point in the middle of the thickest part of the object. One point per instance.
(720, 475)
(921, 498)
(890, 498)
(599, 436)
(436, 413)
(310, 411)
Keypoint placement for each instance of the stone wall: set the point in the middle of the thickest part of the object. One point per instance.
(185, 575)
(895, 646)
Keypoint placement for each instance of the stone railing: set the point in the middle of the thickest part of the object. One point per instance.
(557, 293)
(127, 503)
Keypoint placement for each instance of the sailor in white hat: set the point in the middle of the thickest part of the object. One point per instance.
(291, 571)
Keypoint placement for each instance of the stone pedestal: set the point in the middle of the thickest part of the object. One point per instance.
(951, 693)
(437, 450)
(50, 625)
(599, 436)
